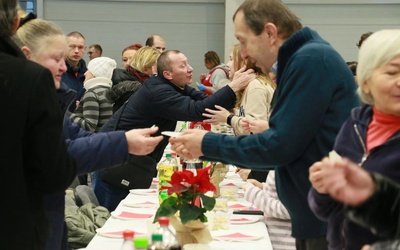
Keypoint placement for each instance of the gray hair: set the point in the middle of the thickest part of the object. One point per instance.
(377, 50)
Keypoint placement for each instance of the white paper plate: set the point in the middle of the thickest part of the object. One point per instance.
(242, 219)
(123, 215)
(114, 234)
(230, 235)
(145, 204)
(171, 133)
(143, 191)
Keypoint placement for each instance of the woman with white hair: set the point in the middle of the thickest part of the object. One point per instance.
(370, 136)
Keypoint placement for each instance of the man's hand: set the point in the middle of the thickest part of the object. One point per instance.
(241, 79)
(140, 142)
(188, 144)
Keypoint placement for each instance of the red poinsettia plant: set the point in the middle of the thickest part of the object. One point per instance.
(187, 195)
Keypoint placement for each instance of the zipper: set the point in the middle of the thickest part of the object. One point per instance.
(362, 144)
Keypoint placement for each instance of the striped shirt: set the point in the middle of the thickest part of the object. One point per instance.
(276, 216)
(94, 110)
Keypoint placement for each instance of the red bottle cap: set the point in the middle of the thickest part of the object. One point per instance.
(128, 234)
(164, 221)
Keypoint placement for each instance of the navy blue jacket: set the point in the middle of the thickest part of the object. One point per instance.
(159, 102)
(314, 96)
(74, 81)
(384, 159)
(91, 151)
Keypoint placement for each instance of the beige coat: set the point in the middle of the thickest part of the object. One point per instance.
(256, 103)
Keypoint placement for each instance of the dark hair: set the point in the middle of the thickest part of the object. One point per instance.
(8, 13)
(150, 40)
(75, 34)
(259, 12)
(353, 67)
(362, 38)
(164, 62)
(97, 47)
(134, 46)
(212, 57)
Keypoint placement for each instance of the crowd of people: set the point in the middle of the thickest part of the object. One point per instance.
(288, 108)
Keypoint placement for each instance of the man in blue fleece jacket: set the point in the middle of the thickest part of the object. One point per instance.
(315, 94)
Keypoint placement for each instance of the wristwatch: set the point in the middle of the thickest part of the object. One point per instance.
(229, 119)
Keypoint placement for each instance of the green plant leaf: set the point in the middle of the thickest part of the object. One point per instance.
(208, 202)
(189, 212)
(168, 208)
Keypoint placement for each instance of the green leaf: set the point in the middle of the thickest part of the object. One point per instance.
(208, 202)
(189, 212)
(167, 208)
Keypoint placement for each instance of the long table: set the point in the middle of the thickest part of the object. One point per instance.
(143, 204)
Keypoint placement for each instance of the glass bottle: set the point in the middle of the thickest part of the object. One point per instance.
(141, 243)
(156, 242)
(169, 239)
(128, 240)
(183, 127)
(192, 165)
(165, 170)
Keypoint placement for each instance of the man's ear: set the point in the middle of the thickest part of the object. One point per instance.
(271, 31)
(167, 75)
(26, 51)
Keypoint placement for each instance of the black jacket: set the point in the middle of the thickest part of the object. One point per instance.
(380, 213)
(159, 102)
(34, 155)
(124, 85)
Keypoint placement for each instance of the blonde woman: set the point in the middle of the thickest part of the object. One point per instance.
(45, 43)
(253, 102)
(141, 66)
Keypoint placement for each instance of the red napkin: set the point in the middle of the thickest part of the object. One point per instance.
(237, 205)
(134, 215)
(120, 233)
(236, 235)
(230, 184)
(147, 203)
(240, 219)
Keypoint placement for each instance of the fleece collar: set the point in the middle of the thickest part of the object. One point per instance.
(97, 81)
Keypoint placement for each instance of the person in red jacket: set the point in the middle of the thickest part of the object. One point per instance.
(210, 82)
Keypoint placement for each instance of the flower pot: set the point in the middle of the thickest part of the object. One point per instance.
(192, 232)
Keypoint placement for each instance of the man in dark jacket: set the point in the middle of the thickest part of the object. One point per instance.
(34, 155)
(163, 100)
(76, 66)
(315, 94)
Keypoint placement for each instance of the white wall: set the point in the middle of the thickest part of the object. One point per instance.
(196, 26)
(340, 22)
(193, 27)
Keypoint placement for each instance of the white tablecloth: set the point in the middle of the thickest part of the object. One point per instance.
(141, 226)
